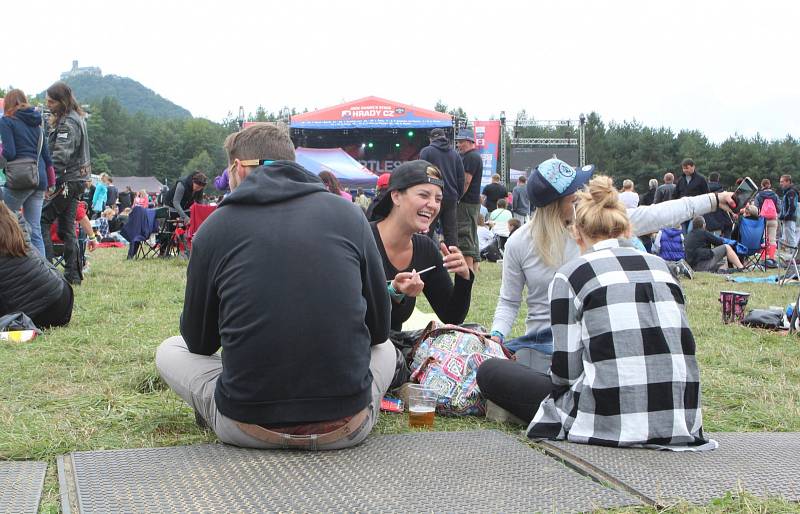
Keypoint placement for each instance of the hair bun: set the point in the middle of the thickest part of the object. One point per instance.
(603, 193)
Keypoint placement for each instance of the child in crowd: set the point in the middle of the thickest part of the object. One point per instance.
(498, 221)
(141, 199)
(668, 244)
(485, 236)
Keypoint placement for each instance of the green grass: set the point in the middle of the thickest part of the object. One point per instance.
(93, 385)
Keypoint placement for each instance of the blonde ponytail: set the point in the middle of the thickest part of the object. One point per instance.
(599, 213)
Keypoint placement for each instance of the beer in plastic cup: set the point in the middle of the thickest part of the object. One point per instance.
(421, 406)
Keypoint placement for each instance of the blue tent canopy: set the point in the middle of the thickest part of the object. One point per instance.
(350, 172)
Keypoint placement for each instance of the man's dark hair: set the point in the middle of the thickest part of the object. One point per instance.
(713, 177)
(698, 223)
(687, 162)
(199, 178)
(522, 179)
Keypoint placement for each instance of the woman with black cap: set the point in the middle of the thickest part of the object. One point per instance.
(412, 262)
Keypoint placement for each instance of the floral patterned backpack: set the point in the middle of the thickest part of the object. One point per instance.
(446, 359)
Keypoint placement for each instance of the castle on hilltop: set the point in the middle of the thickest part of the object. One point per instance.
(88, 70)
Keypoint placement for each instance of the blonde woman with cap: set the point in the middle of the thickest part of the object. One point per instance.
(534, 252)
(411, 260)
(623, 372)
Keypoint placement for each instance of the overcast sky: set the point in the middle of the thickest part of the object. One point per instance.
(719, 67)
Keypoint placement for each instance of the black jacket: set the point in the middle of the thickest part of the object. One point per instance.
(698, 244)
(69, 146)
(29, 284)
(442, 155)
(286, 278)
(697, 186)
(648, 197)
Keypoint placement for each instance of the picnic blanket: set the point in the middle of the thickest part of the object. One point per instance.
(771, 279)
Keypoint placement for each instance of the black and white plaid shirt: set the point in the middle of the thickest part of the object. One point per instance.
(624, 371)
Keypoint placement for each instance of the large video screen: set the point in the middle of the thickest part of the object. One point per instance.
(523, 160)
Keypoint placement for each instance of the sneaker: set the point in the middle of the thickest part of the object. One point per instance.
(685, 269)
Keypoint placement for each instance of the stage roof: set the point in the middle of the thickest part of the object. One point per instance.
(350, 172)
(371, 113)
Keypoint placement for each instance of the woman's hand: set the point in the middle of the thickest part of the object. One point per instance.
(726, 200)
(408, 283)
(454, 262)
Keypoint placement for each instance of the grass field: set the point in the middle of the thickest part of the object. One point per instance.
(93, 385)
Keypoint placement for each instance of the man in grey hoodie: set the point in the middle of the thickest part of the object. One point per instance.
(441, 154)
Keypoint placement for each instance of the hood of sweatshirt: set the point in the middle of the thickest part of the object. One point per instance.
(275, 183)
(29, 116)
(441, 143)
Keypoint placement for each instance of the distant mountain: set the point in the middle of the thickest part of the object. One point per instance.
(132, 95)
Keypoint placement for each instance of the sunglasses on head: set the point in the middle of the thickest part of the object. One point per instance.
(256, 162)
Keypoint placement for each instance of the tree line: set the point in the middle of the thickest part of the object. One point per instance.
(631, 150)
(126, 144)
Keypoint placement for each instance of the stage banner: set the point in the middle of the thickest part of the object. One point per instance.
(371, 113)
(487, 141)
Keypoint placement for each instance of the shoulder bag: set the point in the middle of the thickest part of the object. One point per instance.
(23, 173)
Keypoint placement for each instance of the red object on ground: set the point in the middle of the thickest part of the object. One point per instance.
(80, 212)
(197, 215)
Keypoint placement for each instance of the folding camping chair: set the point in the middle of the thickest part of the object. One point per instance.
(80, 252)
(751, 236)
(790, 269)
(164, 244)
(150, 233)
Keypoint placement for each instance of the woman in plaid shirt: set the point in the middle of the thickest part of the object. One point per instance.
(623, 371)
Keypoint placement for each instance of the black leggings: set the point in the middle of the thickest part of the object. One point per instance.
(514, 387)
(58, 313)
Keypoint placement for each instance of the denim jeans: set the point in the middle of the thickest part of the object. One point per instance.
(789, 234)
(541, 340)
(30, 200)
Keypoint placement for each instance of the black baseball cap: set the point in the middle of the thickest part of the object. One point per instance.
(408, 174)
(437, 132)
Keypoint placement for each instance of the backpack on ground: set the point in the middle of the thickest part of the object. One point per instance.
(446, 359)
(768, 209)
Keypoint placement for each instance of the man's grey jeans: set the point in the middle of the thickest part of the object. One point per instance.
(194, 377)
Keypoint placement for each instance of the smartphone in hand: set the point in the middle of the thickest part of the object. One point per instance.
(744, 193)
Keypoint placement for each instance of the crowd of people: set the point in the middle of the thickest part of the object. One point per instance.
(708, 243)
(302, 307)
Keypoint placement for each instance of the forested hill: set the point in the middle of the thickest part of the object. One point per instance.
(131, 95)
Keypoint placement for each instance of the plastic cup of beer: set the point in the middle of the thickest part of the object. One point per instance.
(421, 406)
